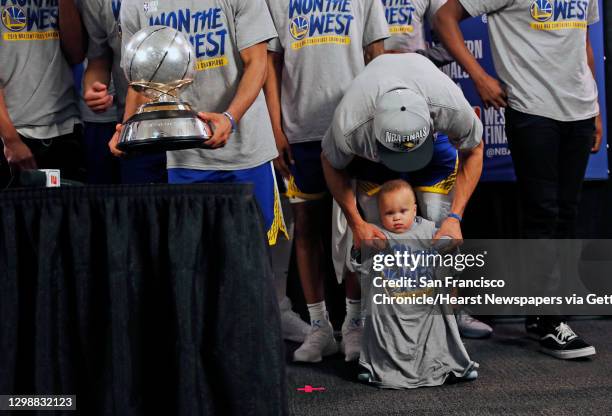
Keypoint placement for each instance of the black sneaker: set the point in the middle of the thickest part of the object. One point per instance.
(558, 340)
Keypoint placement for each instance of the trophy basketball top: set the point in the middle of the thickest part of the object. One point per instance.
(158, 61)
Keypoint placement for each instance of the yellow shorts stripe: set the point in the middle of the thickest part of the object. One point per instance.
(278, 224)
(294, 192)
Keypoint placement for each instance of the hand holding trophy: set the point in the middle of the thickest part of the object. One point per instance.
(158, 62)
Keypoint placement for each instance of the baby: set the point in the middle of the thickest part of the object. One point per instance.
(397, 206)
(404, 345)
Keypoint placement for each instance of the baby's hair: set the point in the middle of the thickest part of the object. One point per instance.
(395, 185)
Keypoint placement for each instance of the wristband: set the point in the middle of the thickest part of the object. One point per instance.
(455, 216)
(232, 121)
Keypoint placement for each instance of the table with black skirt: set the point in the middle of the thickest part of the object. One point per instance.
(140, 300)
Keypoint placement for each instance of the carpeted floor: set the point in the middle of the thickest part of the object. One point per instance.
(515, 379)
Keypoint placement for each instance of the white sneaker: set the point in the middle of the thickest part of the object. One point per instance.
(350, 345)
(319, 343)
(470, 327)
(293, 327)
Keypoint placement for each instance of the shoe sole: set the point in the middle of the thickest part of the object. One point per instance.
(475, 334)
(327, 352)
(569, 355)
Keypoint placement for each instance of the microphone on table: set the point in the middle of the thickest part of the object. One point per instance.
(43, 178)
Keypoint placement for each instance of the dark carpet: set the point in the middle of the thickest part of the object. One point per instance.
(514, 379)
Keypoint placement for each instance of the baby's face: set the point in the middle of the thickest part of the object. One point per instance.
(397, 210)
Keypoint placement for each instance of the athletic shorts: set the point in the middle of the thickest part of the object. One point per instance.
(307, 182)
(264, 187)
(438, 177)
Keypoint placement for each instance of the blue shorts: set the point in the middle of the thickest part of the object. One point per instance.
(307, 182)
(264, 188)
(438, 177)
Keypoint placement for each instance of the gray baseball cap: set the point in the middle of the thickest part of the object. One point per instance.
(403, 130)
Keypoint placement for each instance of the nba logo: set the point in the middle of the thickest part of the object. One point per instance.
(478, 111)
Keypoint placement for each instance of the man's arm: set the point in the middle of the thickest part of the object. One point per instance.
(598, 123)
(253, 78)
(447, 26)
(17, 154)
(95, 84)
(272, 90)
(373, 50)
(470, 169)
(72, 36)
(339, 184)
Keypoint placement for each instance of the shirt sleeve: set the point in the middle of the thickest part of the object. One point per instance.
(253, 23)
(335, 149)
(274, 45)
(130, 24)
(478, 7)
(593, 11)
(462, 126)
(375, 27)
(98, 36)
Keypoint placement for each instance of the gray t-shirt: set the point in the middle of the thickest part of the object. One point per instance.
(101, 19)
(539, 51)
(219, 30)
(406, 19)
(409, 346)
(36, 79)
(351, 133)
(322, 45)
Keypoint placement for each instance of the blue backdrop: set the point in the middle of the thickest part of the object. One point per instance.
(497, 161)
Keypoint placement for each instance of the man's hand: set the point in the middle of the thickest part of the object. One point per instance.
(221, 127)
(285, 158)
(97, 97)
(598, 134)
(451, 228)
(368, 232)
(17, 154)
(491, 91)
(114, 141)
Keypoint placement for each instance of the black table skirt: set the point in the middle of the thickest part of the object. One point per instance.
(140, 300)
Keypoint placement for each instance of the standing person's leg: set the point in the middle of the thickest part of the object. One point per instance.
(65, 153)
(541, 149)
(293, 327)
(102, 166)
(574, 151)
(142, 169)
(534, 145)
(352, 327)
(307, 191)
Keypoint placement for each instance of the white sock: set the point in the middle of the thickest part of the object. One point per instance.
(353, 312)
(317, 312)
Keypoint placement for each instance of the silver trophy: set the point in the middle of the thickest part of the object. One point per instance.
(158, 62)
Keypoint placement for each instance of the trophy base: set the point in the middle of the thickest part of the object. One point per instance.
(160, 126)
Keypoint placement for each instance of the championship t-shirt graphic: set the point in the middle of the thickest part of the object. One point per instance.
(25, 23)
(319, 22)
(206, 29)
(399, 15)
(559, 14)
